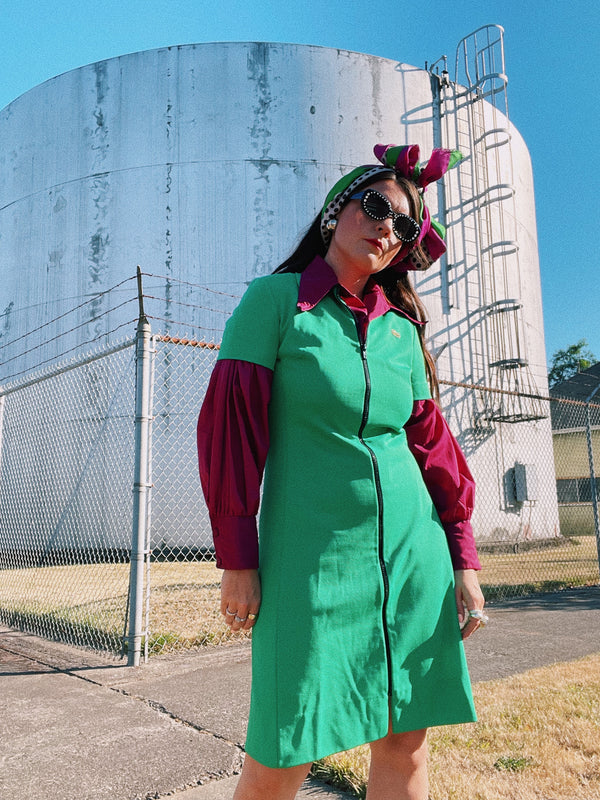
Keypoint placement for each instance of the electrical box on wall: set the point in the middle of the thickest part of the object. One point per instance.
(525, 482)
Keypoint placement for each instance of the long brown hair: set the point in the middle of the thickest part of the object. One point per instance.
(397, 286)
(400, 291)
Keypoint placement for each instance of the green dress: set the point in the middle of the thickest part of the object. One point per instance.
(358, 617)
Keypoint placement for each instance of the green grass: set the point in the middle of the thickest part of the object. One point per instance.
(59, 625)
(513, 763)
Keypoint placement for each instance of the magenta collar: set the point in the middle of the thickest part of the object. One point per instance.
(318, 279)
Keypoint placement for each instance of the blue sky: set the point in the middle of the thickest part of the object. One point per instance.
(551, 61)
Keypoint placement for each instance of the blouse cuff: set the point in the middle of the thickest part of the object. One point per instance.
(461, 544)
(236, 542)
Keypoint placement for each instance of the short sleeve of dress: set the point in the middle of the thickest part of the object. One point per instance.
(252, 332)
(420, 386)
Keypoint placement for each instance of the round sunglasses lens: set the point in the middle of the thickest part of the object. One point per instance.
(376, 205)
(406, 228)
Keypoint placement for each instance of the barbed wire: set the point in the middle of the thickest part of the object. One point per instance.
(163, 337)
(184, 324)
(118, 287)
(71, 330)
(187, 283)
(512, 393)
(186, 305)
(41, 327)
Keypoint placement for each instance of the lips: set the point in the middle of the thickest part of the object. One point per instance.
(376, 243)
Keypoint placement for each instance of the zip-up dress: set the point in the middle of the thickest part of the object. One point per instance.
(358, 618)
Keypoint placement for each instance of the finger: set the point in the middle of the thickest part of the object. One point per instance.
(476, 619)
(228, 603)
(250, 621)
(229, 607)
(240, 617)
(229, 619)
(461, 608)
(242, 621)
(470, 628)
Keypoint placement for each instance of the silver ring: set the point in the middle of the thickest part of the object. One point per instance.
(477, 613)
(230, 613)
(240, 619)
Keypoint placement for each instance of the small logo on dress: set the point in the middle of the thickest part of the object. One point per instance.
(396, 334)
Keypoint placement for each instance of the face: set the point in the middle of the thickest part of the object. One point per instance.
(361, 246)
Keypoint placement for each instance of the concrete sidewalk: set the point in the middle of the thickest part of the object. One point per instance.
(77, 726)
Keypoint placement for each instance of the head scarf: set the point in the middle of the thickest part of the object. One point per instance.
(403, 161)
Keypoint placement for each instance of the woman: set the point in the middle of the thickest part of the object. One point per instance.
(366, 550)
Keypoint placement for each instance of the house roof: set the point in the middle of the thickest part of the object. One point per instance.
(580, 386)
(584, 387)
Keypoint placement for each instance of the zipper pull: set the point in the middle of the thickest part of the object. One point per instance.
(363, 335)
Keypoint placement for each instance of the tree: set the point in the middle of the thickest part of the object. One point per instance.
(568, 362)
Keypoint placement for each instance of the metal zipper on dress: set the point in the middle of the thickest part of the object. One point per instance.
(365, 416)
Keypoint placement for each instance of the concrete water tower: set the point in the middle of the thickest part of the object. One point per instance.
(201, 163)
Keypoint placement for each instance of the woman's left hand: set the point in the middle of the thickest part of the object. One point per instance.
(469, 597)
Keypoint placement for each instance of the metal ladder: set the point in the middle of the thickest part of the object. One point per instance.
(481, 218)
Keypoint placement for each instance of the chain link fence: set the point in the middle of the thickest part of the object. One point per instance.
(66, 461)
(67, 441)
(549, 537)
(184, 581)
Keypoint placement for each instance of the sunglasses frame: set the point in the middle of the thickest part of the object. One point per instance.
(363, 197)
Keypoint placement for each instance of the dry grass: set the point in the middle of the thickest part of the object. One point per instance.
(61, 586)
(538, 735)
(86, 604)
(185, 607)
(538, 738)
(573, 564)
(184, 598)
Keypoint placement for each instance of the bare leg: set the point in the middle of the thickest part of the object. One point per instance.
(258, 782)
(399, 767)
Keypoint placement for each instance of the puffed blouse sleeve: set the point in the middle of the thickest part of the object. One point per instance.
(233, 426)
(447, 477)
(233, 441)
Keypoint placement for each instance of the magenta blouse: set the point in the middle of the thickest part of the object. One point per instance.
(233, 441)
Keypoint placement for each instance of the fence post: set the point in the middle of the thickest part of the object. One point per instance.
(593, 490)
(2, 397)
(141, 481)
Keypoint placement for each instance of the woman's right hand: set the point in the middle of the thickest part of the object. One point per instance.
(240, 598)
